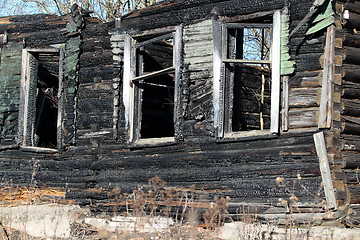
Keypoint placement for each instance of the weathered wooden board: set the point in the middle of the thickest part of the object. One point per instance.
(303, 118)
(304, 97)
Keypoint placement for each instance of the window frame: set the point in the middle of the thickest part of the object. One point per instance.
(25, 127)
(219, 87)
(131, 98)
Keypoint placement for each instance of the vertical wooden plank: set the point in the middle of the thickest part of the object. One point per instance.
(128, 90)
(218, 95)
(319, 140)
(32, 78)
(328, 77)
(177, 63)
(285, 104)
(275, 73)
(60, 99)
(23, 96)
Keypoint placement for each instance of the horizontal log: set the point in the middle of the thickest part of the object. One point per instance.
(348, 127)
(304, 97)
(37, 25)
(349, 145)
(351, 107)
(96, 73)
(354, 193)
(95, 30)
(298, 46)
(97, 92)
(89, 59)
(86, 120)
(351, 73)
(40, 38)
(354, 6)
(90, 193)
(303, 82)
(308, 62)
(353, 176)
(351, 39)
(354, 19)
(351, 55)
(96, 44)
(350, 93)
(303, 118)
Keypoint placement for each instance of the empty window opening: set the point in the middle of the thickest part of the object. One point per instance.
(248, 77)
(41, 96)
(155, 87)
(45, 125)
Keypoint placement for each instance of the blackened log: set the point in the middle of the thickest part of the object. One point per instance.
(354, 193)
(96, 44)
(352, 160)
(351, 107)
(102, 72)
(353, 176)
(350, 128)
(91, 193)
(308, 62)
(299, 46)
(95, 30)
(351, 55)
(354, 19)
(351, 90)
(351, 72)
(49, 23)
(89, 59)
(298, 82)
(354, 6)
(349, 145)
(351, 40)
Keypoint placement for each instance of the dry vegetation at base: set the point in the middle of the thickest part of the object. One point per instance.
(144, 203)
(191, 219)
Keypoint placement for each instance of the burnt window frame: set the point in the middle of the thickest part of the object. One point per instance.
(26, 84)
(221, 92)
(132, 98)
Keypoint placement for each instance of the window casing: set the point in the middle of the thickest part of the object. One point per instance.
(40, 98)
(247, 78)
(150, 90)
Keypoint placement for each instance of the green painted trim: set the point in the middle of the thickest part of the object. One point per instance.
(286, 65)
(321, 25)
(329, 12)
(324, 18)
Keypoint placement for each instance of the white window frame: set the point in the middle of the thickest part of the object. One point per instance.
(219, 80)
(129, 76)
(25, 127)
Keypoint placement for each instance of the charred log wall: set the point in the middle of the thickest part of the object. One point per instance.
(95, 95)
(348, 90)
(244, 171)
(305, 84)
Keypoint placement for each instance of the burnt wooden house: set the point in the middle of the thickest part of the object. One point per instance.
(256, 100)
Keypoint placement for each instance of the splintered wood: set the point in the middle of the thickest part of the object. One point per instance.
(12, 196)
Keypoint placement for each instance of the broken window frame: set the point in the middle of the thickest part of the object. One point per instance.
(219, 88)
(26, 128)
(131, 97)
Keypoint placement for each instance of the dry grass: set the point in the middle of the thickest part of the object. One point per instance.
(192, 219)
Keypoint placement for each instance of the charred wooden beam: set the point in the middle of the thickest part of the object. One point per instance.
(351, 107)
(351, 55)
(351, 72)
(351, 40)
